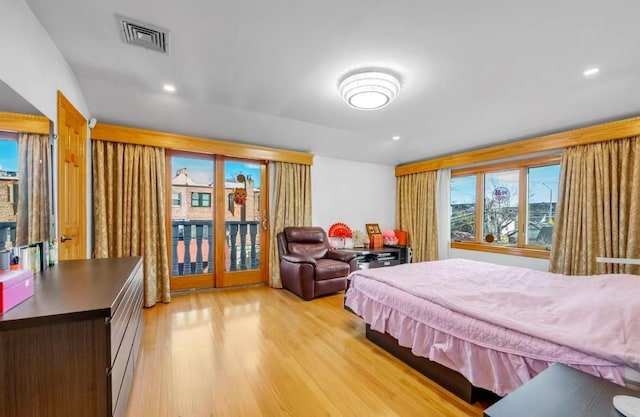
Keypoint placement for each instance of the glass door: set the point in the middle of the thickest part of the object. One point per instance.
(243, 221)
(218, 230)
(191, 226)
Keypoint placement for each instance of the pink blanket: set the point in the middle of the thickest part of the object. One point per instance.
(598, 315)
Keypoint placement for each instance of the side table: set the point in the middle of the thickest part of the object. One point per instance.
(561, 391)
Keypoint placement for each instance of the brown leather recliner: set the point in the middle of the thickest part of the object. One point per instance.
(308, 266)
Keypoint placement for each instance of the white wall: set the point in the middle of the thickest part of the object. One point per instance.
(354, 193)
(34, 67)
(32, 64)
(497, 258)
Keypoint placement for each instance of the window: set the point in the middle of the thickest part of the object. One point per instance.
(542, 197)
(516, 211)
(463, 208)
(200, 199)
(176, 199)
(500, 214)
(8, 190)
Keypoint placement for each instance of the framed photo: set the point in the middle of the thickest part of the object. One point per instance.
(373, 229)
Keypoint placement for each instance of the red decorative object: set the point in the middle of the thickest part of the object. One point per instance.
(339, 230)
(240, 196)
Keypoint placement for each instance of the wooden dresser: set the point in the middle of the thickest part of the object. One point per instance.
(70, 350)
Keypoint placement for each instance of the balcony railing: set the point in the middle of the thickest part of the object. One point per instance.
(242, 257)
(192, 246)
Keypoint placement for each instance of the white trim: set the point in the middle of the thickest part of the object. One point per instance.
(443, 212)
(625, 261)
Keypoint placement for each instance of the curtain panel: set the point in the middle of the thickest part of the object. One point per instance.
(416, 213)
(291, 207)
(33, 210)
(598, 208)
(129, 210)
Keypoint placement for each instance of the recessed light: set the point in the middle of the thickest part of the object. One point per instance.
(591, 71)
(169, 88)
(395, 138)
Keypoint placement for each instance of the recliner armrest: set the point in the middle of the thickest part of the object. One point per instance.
(339, 255)
(298, 259)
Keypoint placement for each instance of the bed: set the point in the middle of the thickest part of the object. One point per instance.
(495, 327)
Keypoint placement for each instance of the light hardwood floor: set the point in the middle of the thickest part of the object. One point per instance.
(264, 352)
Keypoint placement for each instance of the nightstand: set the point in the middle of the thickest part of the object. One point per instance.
(561, 391)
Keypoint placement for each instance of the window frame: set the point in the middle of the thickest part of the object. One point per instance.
(202, 200)
(522, 165)
(196, 197)
(179, 199)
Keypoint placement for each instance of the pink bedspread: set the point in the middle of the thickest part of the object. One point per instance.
(588, 322)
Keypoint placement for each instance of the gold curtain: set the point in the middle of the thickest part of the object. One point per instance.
(34, 164)
(291, 207)
(129, 210)
(598, 208)
(416, 213)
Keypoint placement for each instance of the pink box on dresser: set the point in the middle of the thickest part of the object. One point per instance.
(15, 287)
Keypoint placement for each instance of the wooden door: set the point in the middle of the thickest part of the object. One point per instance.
(242, 229)
(214, 238)
(72, 167)
(190, 206)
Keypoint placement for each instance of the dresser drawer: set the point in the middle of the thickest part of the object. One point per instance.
(126, 351)
(124, 311)
(120, 405)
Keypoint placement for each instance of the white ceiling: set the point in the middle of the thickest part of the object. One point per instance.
(265, 72)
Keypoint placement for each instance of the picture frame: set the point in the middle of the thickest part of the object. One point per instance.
(373, 229)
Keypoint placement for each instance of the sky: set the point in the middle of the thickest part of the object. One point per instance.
(201, 170)
(9, 155)
(233, 168)
(541, 180)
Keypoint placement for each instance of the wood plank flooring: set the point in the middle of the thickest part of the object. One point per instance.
(263, 352)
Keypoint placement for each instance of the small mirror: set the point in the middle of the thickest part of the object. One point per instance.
(25, 173)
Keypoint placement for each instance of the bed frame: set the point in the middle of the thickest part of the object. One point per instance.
(447, 378)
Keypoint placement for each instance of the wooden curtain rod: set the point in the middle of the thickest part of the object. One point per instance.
(599, 133)
(28, 123)
(124, 134)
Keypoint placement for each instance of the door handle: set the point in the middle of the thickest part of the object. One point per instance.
(265, 220)
(64, 238)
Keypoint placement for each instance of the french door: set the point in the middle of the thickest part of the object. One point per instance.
(217, 230)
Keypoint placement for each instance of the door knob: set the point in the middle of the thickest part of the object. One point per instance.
(64, 238)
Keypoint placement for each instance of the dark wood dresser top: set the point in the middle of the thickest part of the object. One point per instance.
(73, 290)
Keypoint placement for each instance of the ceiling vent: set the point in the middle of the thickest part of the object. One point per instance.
(143, 34)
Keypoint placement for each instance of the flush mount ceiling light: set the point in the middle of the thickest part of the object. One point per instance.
(369, 90)
(591, 72)
(169, 88)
